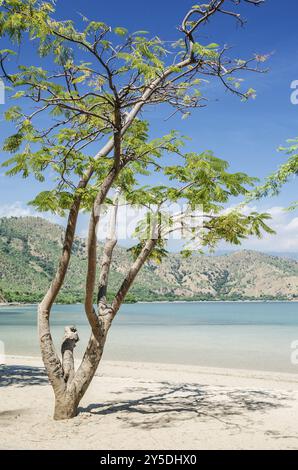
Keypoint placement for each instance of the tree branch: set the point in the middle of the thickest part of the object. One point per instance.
(92, 251)
(132, 274)
(107, 256)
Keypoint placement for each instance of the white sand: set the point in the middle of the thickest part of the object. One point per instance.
(152, 406)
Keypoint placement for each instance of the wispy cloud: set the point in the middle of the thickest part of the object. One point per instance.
(284, 223)
(19, 209)
(16, 209)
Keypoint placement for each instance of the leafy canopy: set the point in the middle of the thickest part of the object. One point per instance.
(101, 78)
(275, 182)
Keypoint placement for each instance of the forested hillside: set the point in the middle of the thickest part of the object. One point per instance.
(30, 247)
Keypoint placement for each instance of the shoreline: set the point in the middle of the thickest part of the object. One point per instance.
(29, 304)
(201, 368)
(274, 376)
(151, 406)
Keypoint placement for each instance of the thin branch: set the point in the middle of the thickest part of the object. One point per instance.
(92, 251)
(107, 256)
(132, 274)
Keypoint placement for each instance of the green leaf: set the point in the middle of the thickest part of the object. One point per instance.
(120, 31)
(19, 94)
(7, 51)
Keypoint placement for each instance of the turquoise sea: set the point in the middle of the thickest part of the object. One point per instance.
(249, 335)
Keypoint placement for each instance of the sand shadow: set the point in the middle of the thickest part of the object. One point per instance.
(172, 403)
(22, 376)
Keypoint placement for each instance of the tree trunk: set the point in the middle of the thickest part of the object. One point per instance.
(75, 384)
(66, 406)
(91, 359)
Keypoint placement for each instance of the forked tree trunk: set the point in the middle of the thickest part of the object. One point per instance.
(66, 407)
(67, 387)
(70, 391)
(70, 386)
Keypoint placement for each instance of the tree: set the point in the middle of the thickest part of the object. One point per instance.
(98, 100)
(275, 182)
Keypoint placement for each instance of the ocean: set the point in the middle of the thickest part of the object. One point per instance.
(242, 335)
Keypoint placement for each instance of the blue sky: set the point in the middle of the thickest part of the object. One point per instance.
(245, 134)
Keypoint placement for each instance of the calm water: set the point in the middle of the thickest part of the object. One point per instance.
(240, 335)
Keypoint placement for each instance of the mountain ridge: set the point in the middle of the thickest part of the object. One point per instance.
(30, 248)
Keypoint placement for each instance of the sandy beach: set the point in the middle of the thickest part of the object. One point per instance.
(134, 405)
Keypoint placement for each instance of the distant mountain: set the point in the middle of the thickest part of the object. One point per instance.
(284, 254)
(30, 247)
(279, 254)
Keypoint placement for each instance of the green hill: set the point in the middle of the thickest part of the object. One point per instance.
(30, 248)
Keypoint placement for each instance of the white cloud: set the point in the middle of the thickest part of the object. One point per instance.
(293, 225)
(18, 209)
(284, 223)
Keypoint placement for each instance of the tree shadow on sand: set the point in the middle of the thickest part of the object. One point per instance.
(171, 403)
(22, 376)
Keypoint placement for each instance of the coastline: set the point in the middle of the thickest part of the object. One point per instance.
(152, 406)
(29, 304)
(16, 304)
(138, 368)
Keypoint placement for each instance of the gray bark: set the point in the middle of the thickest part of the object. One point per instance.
(66, 406)
(70, 339)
